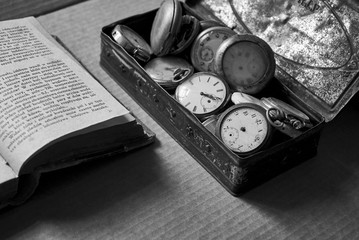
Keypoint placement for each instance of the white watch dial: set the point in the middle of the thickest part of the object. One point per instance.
(202, 93)
(243, 128)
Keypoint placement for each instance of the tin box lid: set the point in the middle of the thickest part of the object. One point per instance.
(165, 27)
(316, 44)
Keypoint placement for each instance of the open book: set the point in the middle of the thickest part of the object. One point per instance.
(54, 114)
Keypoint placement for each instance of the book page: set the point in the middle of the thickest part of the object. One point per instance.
(44, 93)
(8, 182)
(6, 172)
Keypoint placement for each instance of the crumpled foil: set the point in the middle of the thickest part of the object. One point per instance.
(315, 41)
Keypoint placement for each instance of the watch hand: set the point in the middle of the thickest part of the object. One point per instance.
(211, 96)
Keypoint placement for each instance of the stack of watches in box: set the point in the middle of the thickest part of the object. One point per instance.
(215, 73)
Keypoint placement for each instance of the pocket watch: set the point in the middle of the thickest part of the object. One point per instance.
(132, 42)
(246, 62)
(203, 93)
(298, 119)
(169, 71)
(286, 118)
(171, 31)
(190, 27)
(244, 128)
(205, 46)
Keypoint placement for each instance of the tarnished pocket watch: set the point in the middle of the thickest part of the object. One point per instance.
(286, 118)
(244, 128)
(297, 118)
(132, 42)
(205, 46)
(169, 71)
(171, 31)
(246, 62)
(203, 93)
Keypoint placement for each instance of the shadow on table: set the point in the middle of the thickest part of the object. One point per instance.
(329, 179)
(86, 189)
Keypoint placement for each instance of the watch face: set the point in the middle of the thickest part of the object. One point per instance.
(203, 94)
(246, 62)
(205, 46)
(244, 128)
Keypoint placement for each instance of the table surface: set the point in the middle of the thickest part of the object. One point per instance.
(161, 192)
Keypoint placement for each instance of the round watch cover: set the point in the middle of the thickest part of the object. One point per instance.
(165, 27)
(172, 32)
(246, 62)
(190, 27)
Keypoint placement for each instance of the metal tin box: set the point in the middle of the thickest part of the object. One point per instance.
(310, 78)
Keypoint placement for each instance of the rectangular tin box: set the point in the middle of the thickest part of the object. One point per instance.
(309, 78)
